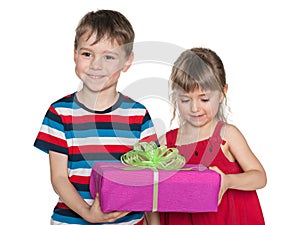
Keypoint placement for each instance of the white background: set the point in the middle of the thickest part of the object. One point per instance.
(258, 42)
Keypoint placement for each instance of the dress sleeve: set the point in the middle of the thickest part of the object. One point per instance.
(52, 133)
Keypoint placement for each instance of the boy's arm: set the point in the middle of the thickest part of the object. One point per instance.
(64, 188)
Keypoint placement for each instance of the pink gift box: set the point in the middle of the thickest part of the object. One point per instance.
(133, 190)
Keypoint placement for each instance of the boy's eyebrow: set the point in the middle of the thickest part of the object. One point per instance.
(84, 48)
(111, 52)
(106, 51)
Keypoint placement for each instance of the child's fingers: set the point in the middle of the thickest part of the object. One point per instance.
(222, 190)
(117, 215)
(112, 216)
(215, 168)
(97, 201)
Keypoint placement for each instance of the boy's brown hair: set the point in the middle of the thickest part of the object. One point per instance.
(107, 24)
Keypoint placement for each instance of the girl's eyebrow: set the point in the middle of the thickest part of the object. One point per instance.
(183, 95)
(206, 93)
(187, 95)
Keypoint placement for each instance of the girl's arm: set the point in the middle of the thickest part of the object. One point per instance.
(253, 177)
(64, 188)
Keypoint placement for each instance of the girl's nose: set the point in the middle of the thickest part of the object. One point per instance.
(195, 106)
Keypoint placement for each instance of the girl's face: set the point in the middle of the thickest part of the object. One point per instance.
(198, 107)
(99, 65)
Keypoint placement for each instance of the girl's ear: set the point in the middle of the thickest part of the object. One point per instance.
(223, 94)
(128, 62)
(225, 89)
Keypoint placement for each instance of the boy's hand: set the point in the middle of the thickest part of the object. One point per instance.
(95, 214)
(223, 187)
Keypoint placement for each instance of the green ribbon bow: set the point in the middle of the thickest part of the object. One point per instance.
(149, 155)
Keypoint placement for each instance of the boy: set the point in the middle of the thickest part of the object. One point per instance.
(97, 123)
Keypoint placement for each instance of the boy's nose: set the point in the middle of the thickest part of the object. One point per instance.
(97, 63)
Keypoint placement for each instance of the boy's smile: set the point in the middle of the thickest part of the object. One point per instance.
(99, 64)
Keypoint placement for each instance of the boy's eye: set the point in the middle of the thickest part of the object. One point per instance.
(109, 57)
(86, 54)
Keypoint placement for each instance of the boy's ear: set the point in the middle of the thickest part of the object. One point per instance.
(128, 62)
(75, 55)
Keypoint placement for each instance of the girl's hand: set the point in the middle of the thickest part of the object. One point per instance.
(95, 214)
(223, 187)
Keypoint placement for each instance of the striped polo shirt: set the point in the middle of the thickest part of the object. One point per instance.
(89, 136)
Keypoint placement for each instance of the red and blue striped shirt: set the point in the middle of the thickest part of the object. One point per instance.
(89, 136)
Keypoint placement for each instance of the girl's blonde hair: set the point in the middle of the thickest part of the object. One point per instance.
(198, 68)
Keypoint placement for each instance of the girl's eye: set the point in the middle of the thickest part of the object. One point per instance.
(184, 100)
(205, 100)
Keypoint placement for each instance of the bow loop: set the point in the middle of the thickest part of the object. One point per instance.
(149, 155)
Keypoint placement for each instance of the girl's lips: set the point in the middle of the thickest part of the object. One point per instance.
(197, 116)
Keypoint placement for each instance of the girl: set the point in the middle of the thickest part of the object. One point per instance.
(198, 91)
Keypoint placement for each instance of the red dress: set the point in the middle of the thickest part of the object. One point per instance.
(236, 208)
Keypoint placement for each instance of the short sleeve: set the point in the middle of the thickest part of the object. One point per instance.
(51, 135)
(148, 132)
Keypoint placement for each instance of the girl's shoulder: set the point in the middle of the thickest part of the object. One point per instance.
(230, 135)
(233, 137)
(228, 130)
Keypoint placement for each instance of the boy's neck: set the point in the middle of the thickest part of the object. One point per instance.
(97, 101)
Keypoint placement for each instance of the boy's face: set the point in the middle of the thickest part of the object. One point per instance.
(99, 65)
